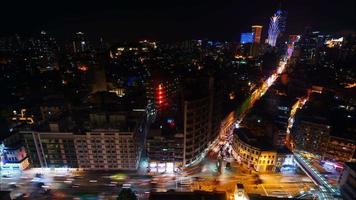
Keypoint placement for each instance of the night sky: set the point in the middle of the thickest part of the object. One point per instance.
(171, 19)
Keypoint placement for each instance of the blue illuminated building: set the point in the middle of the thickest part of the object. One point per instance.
(246, 38)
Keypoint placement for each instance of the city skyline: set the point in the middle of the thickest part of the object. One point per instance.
(171, 101)
(171, 21)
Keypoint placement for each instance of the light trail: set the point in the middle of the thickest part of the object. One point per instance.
(235, 118)
(296, 106)
(327, 191)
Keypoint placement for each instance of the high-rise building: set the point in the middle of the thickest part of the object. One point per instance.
(98, 149)
(246, 38)
(328, 133)
(273, 31)
(312, 135)
(196, 128)
(79, 43)
(282, 20)
(310, 46)
(160, 91)
(193, 121)
(109, 138)
(201, 118)
(165, 146)
(256, 30)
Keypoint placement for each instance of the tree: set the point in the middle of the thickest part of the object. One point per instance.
(126, 194)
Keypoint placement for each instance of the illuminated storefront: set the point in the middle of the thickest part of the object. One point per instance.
(13, 160)
(164, 167)
(255, 152)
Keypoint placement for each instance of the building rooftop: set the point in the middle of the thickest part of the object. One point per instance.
(283, 150)
(166, 127)
(260, 142)
(351, 165)
(329, 109)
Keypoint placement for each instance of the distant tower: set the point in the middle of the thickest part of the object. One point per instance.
(282, 20)
(256, 30)
(282, 13)
(273, 31)
(79, 43)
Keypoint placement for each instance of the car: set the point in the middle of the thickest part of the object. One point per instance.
(39, 175)
(39, 184)
(12, 185)
(45, 191)
(67, 181)
(22, 196)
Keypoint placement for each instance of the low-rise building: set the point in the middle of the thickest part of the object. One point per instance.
(257, 152)
(13, 159)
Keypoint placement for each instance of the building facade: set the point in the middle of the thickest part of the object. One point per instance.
(257, 31)
(13, 159)
(47, 149)
(107, 149)
(257, 154)
(316, 138)
(165, 152)
(95, 150)
(197, 126)
(340, 149)
(311, 136)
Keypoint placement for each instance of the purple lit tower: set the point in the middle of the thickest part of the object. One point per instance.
(273, 31)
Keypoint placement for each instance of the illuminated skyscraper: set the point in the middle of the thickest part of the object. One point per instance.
(246, 38)
(79, 43)
(256, 30)
(273, 31)
(282, 20)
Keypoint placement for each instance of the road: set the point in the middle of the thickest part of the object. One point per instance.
(327, 191)
(273, 184)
